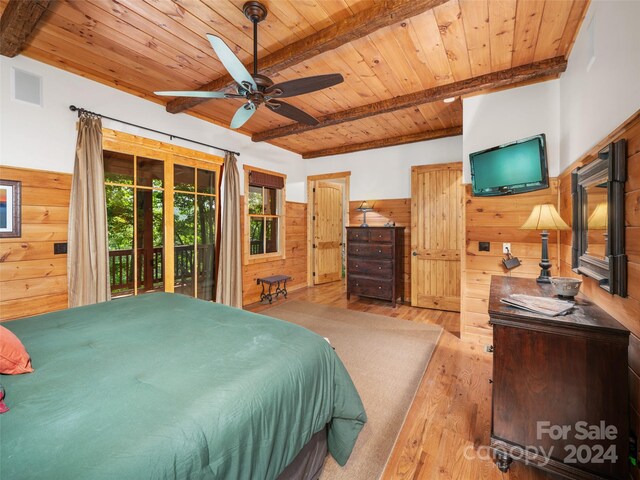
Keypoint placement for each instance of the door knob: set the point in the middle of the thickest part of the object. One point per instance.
(415, 254)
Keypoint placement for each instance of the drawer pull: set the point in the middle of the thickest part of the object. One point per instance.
(379, 288)
(357, 284)
(379, 236)
(379, 268)
(356, 265)
(379, 251)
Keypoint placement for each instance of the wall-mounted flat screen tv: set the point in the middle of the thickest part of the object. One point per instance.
(515, 167)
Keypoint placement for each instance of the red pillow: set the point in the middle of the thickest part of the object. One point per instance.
(14, 358)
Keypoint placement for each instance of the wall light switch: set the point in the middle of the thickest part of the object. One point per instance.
(484, 246)
(59, 248)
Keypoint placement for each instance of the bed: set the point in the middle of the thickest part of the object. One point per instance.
(163, 386)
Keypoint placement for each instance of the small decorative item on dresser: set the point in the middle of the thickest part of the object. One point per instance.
(364, 208)
(566, 286)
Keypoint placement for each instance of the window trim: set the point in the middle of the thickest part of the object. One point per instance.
(248, 259)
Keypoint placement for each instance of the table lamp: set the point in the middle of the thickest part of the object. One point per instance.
(364, 208)
(544, 217)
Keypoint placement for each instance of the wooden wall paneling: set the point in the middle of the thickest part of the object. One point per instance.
(625, 310)
(32, 279)
(295, 263)
(389, 210)
(497, 220)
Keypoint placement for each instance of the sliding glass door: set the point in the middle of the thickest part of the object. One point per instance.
(162, 222)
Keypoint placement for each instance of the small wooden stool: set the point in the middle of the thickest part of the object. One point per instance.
(273, 280)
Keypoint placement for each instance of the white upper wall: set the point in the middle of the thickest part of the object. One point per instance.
(44, 137)
(386, 172)
(509, 115)
(601, 87)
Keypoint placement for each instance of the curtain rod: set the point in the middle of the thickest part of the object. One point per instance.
(73, 108)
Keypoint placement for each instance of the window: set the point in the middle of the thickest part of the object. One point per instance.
(162, 216)
(264, 215)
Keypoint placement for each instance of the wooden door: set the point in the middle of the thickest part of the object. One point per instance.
(436, 236)
(327, 232)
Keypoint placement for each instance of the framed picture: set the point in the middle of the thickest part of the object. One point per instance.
(10, 217)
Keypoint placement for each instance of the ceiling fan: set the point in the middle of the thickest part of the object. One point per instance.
(258, 89)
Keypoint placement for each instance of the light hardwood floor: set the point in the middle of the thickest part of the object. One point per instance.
(448, 424)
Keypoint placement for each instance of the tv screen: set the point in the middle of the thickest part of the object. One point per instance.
(515, 167)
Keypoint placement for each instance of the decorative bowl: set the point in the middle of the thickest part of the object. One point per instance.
(566, 286)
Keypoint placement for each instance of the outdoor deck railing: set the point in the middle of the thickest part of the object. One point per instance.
(121, 266)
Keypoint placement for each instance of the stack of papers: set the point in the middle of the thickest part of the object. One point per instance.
(551, 307)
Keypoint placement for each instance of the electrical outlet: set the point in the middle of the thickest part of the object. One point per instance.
(59, 248)
(506, 248)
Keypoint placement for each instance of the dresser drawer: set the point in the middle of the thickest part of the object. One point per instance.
(370, 287)
(379, 268)
(357, 234)
(381, 235)
(370, 250)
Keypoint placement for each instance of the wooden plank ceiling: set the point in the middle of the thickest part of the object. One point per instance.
(397, 67)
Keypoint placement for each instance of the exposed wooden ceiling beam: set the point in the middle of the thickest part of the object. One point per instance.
(510, 76)
(386, 142)
(19, 20)
(380, 15)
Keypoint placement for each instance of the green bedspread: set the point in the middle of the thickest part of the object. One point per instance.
(163, 386)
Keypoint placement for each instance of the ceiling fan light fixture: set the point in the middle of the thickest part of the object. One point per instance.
(449, 100)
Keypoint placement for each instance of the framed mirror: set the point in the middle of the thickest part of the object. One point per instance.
(597, 192)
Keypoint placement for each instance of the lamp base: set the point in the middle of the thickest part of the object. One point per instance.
(364, 219)
(545, 264)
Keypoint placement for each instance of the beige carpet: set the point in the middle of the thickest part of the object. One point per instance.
(386, 359)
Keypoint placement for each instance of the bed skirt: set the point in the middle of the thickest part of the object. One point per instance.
(309, 462)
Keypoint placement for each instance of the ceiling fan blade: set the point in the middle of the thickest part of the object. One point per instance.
(233, 65)
(197, 93)
(300, 86)
(291, 112)
(242, 115)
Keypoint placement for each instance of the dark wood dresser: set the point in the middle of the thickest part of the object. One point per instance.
(374, 262)
(560, 386)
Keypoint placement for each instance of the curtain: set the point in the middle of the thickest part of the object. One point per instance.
(88, 257)
(229, 287)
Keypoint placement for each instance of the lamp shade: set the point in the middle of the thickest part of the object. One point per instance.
(364, 207)
(599, 218)
(545, 217)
